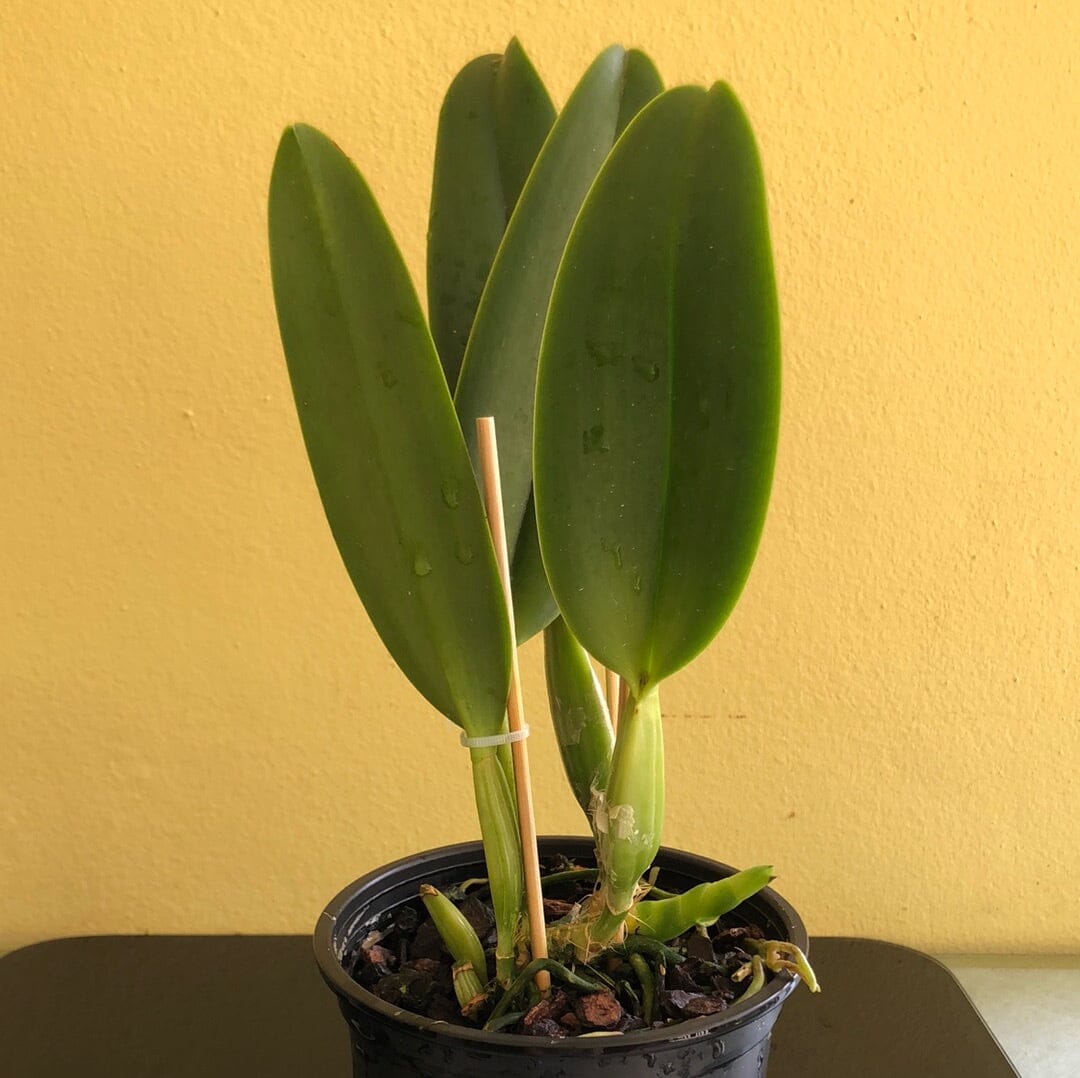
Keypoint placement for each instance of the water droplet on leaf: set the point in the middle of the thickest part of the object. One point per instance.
(649, 371)
(592, 440)
(451, 493)
(615, 550)
(601, 354)
(421, 566)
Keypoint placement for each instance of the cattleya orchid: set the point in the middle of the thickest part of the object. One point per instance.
(600, 282)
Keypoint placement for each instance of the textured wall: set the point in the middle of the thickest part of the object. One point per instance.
(200, 730)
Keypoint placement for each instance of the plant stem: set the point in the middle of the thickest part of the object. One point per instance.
(629, 816)
(506, 762)
(502, 851)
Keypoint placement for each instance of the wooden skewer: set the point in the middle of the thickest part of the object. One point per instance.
(489, 466)
(612, 690)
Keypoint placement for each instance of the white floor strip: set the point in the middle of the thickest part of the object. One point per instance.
(1032, 1005)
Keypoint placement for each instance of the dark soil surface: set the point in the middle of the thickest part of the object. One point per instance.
(404, 962)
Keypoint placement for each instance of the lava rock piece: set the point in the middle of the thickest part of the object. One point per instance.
(427, 943)
(684, 976)
(408, 989)
(558, 863)
(377, 955)
(700, 947)
(680, 1004)
(442, 1010)
(699, 1006)
(555, 909)
(478, 915)
(550, 1009)
(600, 1010)
(432, 967)
(724, 936)
(545, 1027)
(406, 920)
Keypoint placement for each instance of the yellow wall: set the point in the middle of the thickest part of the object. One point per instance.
(201, 732)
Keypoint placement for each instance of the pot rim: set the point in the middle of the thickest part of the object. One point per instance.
(327, 954)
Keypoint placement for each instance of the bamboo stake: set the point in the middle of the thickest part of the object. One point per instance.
(489, 466)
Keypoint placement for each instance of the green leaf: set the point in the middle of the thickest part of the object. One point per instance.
(493, 122)
(579, 715)
(384, 443)
(499, 373)
(668, 918)
(534, 605)
(658, 390)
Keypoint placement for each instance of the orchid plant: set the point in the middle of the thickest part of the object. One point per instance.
(600, 281)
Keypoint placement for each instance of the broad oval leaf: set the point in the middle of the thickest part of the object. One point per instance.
(658, 390)
(498, 377)
(493, 122)
(384, 443)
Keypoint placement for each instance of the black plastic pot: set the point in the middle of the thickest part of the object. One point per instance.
(388, 1042)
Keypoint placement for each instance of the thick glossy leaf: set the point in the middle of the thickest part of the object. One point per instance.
(658, 390)
(493, 122)
(384, 443)
(534, 605)
(579, 715)
(499, 374)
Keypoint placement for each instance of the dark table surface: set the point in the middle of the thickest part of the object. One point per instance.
(204, 1006)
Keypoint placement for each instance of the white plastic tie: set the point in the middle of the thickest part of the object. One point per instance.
(489, 740)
